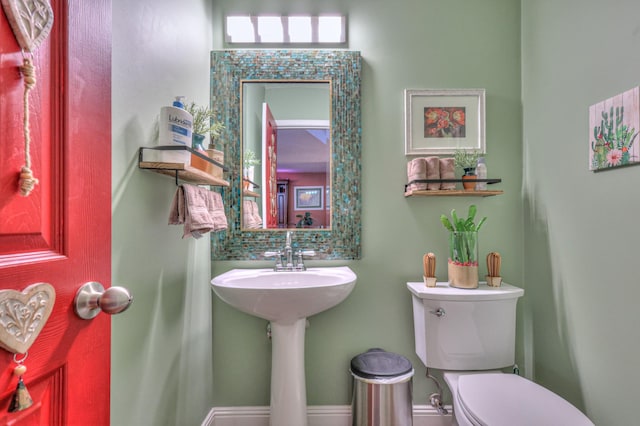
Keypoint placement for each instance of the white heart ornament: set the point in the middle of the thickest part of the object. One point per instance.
(30, 20)
(23, 315)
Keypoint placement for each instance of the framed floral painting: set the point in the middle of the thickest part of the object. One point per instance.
(613, 131)
(439, 121)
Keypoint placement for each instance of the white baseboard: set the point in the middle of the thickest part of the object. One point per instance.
(318, 415)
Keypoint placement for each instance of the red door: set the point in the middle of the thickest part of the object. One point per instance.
(270, 161)
(61, 233)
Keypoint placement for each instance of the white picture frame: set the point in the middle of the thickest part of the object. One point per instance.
(439, 121)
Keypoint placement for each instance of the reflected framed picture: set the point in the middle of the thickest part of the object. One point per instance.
(439, 121)
(308, 197)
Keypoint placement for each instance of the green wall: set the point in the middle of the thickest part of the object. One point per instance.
(581, 236)
(408, 44)
(300, 102)
(542, 64)
(161, 347)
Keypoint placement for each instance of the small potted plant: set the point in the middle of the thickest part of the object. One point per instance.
(467, 159)
(249, 160)
(305, 220)
(463, 248)
(204, 125)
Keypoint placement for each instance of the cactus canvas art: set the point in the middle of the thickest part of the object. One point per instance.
(613, 131)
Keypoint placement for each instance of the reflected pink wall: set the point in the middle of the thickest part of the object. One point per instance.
(320, 217)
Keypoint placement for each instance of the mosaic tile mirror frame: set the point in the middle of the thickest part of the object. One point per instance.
(229, 68)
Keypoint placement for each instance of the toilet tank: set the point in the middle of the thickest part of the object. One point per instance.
(465, 329)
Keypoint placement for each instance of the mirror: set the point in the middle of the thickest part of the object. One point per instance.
(234, 70)
(286, 152)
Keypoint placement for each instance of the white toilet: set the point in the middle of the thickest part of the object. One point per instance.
(470, 336)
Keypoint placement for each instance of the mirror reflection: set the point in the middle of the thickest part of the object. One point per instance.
(286, 152)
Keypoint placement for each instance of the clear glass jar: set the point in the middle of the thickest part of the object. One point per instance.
(463, 259)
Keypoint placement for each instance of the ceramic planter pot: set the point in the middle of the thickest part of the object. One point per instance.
(463, 259)
(469, 174)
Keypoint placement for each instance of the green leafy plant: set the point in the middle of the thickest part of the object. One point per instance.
(466, 158)
(305, 220)
(463, 236)
(203, 122)
(249, 159)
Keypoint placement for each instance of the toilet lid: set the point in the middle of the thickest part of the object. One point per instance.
(507, 399)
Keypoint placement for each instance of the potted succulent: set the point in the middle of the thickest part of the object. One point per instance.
(463, 248)
(467, 159)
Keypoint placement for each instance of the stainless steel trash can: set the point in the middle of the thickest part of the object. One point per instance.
(382, 389)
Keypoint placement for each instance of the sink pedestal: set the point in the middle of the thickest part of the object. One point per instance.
(288, 388)
(286, 299)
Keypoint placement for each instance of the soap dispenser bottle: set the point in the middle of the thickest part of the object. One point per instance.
(481, 173)
(175, 130)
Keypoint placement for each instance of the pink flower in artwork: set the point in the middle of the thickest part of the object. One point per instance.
(614, 157)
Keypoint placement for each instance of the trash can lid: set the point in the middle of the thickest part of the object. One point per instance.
(377, 363)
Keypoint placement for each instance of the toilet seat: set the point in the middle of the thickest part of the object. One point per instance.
(496, 399)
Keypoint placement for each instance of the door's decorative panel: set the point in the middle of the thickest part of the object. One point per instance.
(31, 228)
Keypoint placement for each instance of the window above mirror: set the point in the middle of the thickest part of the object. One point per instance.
(249, 29)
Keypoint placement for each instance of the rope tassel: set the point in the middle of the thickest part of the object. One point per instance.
(27, 180)
(21, 400)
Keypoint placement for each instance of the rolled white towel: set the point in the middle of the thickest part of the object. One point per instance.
(416, 169)
(433, 172)
(447, 171)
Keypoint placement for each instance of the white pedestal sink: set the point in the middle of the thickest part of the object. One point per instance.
(286, 299)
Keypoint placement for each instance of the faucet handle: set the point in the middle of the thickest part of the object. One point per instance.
(277, 254)
(301, 254)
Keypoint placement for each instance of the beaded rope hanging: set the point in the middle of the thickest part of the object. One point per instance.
(31, 22)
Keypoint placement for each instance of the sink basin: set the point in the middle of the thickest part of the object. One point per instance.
(290, 295)
(286, 299)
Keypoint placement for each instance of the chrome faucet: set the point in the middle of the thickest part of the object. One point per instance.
(288, 254)
(288, 251)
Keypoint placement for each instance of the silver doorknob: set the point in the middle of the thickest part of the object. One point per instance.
(92, 298)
